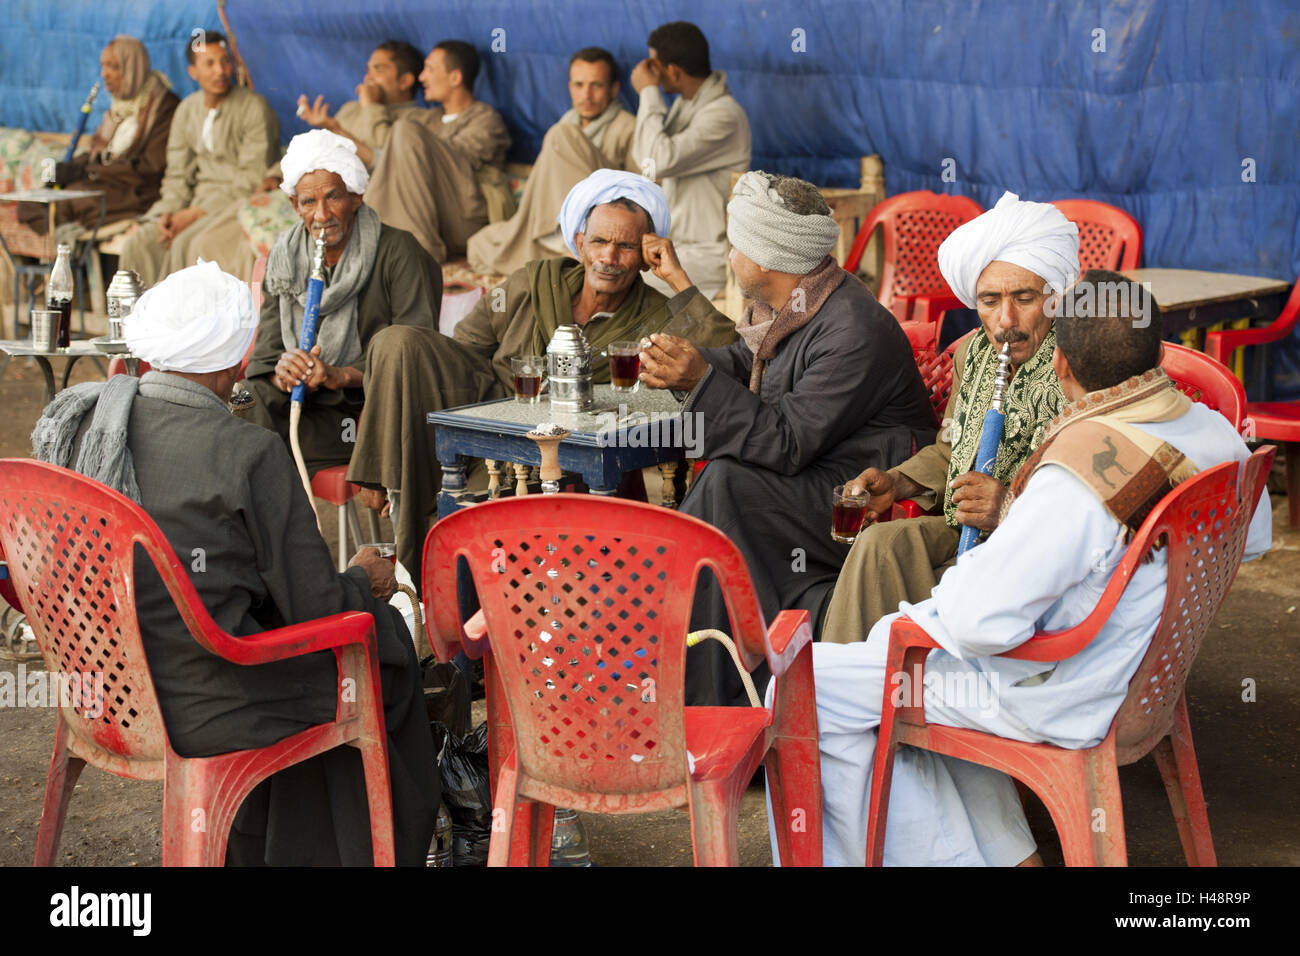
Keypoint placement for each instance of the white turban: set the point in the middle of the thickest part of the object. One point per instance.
(196, 320)
(770, 235)
(1033, 235)
(321, 149)
(606, 185)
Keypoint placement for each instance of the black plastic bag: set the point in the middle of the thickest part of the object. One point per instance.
(467, 792)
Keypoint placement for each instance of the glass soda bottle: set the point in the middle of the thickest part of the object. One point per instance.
(58, 293)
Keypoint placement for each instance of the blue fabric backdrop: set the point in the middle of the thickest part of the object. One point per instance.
(1183, 113)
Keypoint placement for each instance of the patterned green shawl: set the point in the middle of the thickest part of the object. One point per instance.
(1031, 401)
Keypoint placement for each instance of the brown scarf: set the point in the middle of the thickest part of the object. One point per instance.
(763, 331)
(1127, 469)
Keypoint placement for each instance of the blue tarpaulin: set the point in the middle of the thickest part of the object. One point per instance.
(1183, 113)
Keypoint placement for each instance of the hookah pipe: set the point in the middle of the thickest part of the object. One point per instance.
(81, 123)
(307, 339)
(990, 438)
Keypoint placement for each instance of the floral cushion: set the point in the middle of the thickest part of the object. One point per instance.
(34, 160)
(263, 216)
(13, 143)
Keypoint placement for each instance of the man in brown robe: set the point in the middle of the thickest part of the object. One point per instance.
(595, 134)
(411, 372)
(442, 175)
(377, 277)
(129, 149)
(222, 139)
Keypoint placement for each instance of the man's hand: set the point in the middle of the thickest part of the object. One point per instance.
(978, 498)
(268, 184)
(644, 74)
(881, 486)
(375, 500)
(165, 231)
(660, 256)
(368, 93)
(670, 362)
(172, 224)
(316, 114)
(306, 368)
(383, 579)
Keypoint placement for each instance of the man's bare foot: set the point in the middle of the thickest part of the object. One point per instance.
(375, 499)
(1032, 860)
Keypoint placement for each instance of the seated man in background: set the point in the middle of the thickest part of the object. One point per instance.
(413, 371)
(595, 134)
(221, 141)
(692, 148)
(442, 175)
(1005, 264)
(129, 149)
(822, 380)
(386, 94)
(222, 488)
(1045, 566)
(376, 277)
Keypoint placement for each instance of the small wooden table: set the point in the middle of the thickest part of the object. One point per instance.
(623, 432)
(80, 348)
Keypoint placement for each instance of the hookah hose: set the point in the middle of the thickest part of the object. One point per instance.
(81, 123)
(307, 339)
(990, 438)
(696, 637)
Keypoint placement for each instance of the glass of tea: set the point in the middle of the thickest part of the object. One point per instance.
(386, 549)
(624, 365)
(527, 370)
(847, 514)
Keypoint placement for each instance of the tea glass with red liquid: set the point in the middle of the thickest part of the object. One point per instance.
(386, 549)
(847, 514)
(624, 365)
(527, 371)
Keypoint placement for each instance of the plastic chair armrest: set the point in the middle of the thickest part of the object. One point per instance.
(1220, 345)
(789, 634)
(930, 308)
(326, 633)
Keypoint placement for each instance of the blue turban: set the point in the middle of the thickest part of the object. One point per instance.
(606, 185)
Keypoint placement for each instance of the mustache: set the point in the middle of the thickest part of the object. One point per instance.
(611, 271)
(1011, 335)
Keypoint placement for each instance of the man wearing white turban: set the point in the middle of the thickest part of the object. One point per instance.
(376, 277)
(1006, 264)
(228, 499)
(411, 372)
(821, 382)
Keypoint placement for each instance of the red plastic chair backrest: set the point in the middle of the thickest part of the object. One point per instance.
(913, 225)
(587, 602)
(935, 365)
(1109, 238)
(70, 543)
(1204, 380)
(1203, 524)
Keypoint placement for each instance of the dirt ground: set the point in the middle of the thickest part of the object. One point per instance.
(1247, 749)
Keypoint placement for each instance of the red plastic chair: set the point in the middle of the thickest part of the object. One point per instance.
(1275, 421)
(1203, 524)
(74, 541)
(1109, 238)
(586, 603)
(913, 225)
(1206, 380)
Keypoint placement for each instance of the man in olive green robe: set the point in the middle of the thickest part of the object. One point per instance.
(411, 372)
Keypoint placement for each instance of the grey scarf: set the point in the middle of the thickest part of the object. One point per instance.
(684, 110)
(104, 455)
(596, 129)
(289, 266)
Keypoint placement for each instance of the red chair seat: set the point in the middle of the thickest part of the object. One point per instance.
(723, 740)
(1279, 421)
(332, 485)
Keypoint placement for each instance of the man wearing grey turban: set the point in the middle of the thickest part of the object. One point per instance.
(1006, 264)
(822, 380)
(226, 496)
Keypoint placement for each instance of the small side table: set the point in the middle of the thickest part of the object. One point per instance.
(23, 348)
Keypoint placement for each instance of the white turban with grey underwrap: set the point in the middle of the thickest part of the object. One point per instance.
(1033, 235)
(196, 320)
(768, 233)
(320, 149)
(604, 186)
